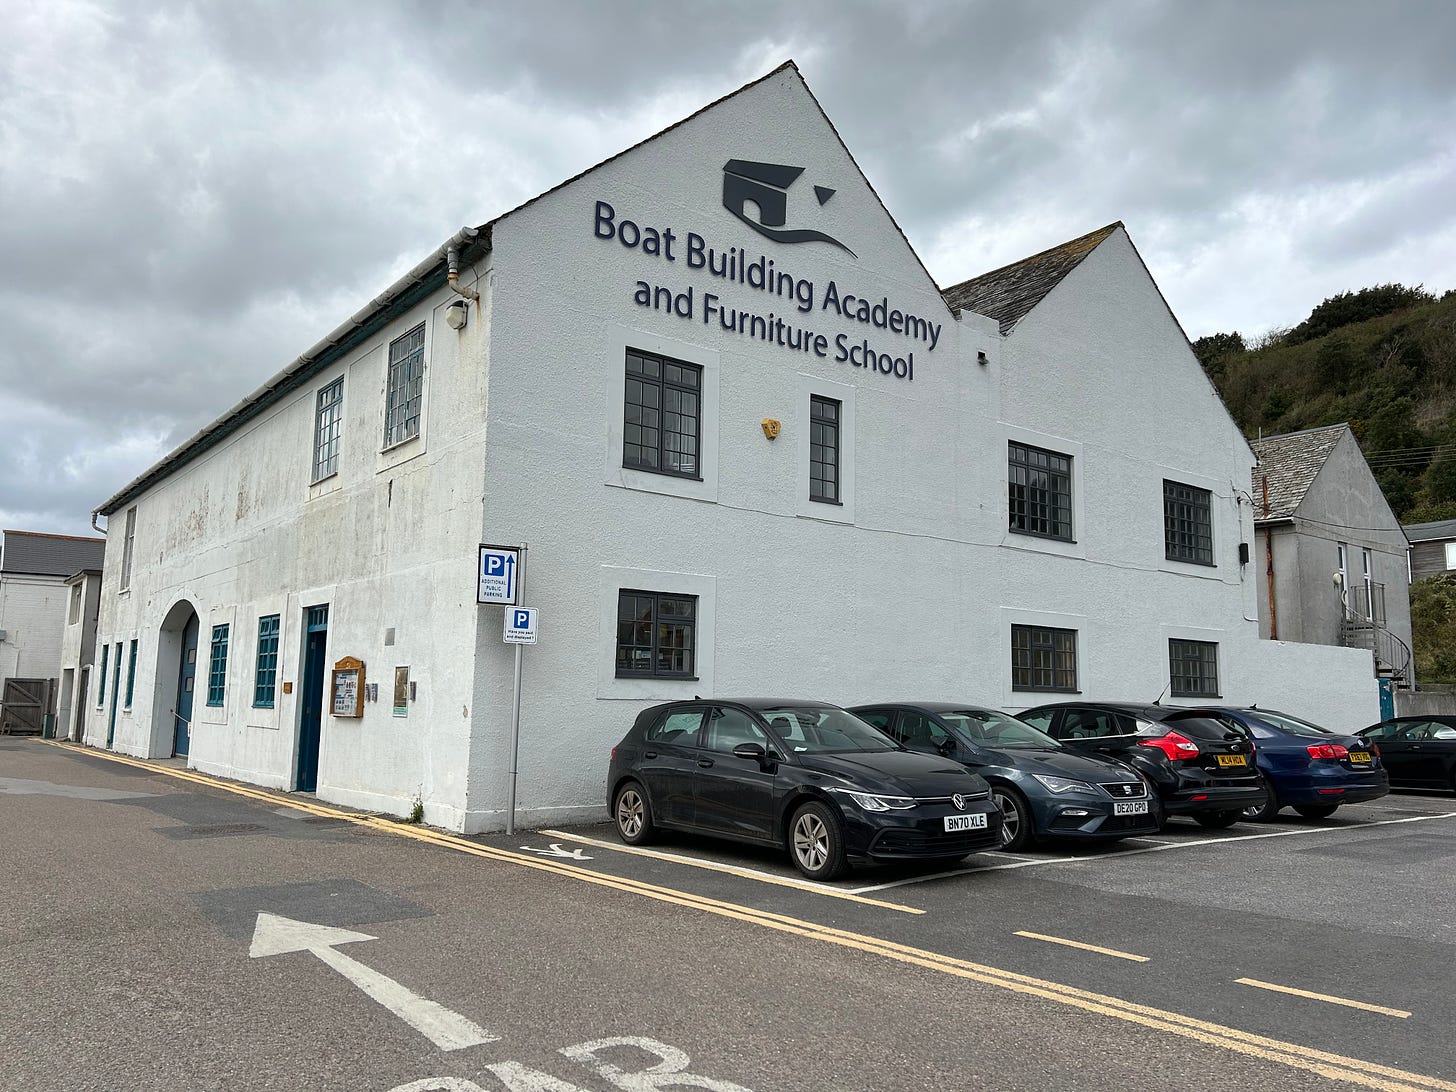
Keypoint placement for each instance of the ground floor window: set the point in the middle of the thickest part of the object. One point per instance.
(1043, 658)
(217, 666)
(656, 634)
(1193, 668)
(266, 676)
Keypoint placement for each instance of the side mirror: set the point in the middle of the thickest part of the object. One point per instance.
(947, 747)
(754, 752)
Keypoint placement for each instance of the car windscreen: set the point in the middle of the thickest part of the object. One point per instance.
(819, 729)
(1293, 725)
(992, 729)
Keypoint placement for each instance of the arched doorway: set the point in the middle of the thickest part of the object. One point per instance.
(176, 681)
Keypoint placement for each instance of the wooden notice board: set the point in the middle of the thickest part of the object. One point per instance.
(348, 688)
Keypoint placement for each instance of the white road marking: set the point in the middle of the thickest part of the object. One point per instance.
(1399, 1013)
(276, 935)
(557, 851)
(20, 786)
(1081, 944)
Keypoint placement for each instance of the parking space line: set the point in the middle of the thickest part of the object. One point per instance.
(1080, 944)
(1401, 1013)
(853, 895)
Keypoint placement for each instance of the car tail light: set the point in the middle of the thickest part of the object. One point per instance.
(1173, 745)
(614, 754)
(1375, 749)
(1328, 750)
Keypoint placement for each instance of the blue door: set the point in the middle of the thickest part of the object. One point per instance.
(315, 666)
(186, 681)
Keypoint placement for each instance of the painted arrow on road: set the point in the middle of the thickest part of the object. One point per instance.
(557, 851)
(276, 935)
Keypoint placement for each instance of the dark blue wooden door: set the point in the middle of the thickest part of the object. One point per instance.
(315, 666)
(186, 683)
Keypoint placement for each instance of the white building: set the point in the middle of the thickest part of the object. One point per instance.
(821, 509)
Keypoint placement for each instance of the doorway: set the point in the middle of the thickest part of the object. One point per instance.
(315, 668)
(186, 683)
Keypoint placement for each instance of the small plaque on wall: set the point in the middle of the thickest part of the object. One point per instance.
(348, 688)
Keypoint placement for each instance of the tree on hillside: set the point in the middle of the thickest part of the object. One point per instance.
(1348, 307)
(1209, 350)
(1433, 628)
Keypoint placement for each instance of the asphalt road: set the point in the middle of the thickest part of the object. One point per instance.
(130, 900)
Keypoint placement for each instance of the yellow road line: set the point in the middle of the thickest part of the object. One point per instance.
(1401, 1013)
(733, 870)
(1084, 947)
(1294, 1055)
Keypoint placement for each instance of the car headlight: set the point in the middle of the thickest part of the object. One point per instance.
(870, 801)
(1062, 784)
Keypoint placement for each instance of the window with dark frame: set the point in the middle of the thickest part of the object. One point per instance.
(1039, 484)
(1187, 523)
(662, 411)
(217, 666)
(656, 635)
(824, 415)
(405, 390)
(1193, 668)
(1043, 658)
(130, 674)
(101, 690)
(328, 423)
(266, 675)
(127, 547)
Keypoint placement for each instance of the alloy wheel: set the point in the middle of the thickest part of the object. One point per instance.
(811, 841)
(629, 813)
(1010, 817)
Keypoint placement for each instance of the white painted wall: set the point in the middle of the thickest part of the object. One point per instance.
(33, 615)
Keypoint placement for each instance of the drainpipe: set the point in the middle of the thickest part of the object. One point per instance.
(452, 268)
(98, 530)
(1269, 566)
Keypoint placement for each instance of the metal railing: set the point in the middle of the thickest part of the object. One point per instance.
(1363, 625)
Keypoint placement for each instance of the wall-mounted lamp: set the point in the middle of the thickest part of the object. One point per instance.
(770, 427)
(457, 314)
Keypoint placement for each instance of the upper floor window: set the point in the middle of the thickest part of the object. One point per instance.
(824, 415)
(1040, 491)
(76, 595)
(1187, 523)
(126, 547)
(405, 391)
(266, 675)
(663, 415)
(1451, 555)
(1043, 658)
(328, 423)
(1193, 668)
(217, 666)
(656, 634)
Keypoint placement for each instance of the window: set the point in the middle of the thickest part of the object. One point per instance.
(101, 690)
(1193, 668)
(1094, 724)
(406, 387)
(663, 415)
(1043, 658)
(130, 673)
(656, 634)
(266, 675)
(1451, 555)
(327, 423)
(680, 728)
(824, 414)
(1040, 491)
(217, 666)
(75, 615)
(727, 728)
(1187, 523)
(126, 548)
(919, 733)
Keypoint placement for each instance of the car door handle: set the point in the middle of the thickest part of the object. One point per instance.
(705, 762)
(649, 754)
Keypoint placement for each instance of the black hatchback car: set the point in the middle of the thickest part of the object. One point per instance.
(803, 775)
(1198, 767)
(1419, 752)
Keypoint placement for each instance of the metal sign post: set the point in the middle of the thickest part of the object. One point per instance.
(520, 594)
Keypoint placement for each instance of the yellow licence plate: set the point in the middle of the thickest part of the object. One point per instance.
(1232, 760)
(1359, 756)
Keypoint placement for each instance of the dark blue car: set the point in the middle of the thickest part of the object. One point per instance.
(1305, 767)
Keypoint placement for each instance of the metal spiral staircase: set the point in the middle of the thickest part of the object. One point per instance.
(1363, 625)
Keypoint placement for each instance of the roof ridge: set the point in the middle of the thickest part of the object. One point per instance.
(1301, 432)
(51, 534)
(1108, 229)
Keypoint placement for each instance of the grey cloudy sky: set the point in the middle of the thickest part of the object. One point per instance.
(192, 194)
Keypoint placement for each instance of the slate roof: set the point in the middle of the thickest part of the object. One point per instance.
(1291, 462)
(40, 554)
(1009, 293)
(1430, 532)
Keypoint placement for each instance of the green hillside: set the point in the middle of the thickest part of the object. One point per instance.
(1383, 359)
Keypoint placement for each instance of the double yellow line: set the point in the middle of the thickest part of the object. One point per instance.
(1294, 1055)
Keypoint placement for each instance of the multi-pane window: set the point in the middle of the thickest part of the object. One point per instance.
(130, 673)
(656, 634)
(266, 675)
(663, 415)
(406, 387)
(101, 690)
(1193, 668)
(126, 548)
(328, 422)
(1040, 491)
(1043, 658)
(824, 415)
(76, 594)
(217, 666)
(1187, 523)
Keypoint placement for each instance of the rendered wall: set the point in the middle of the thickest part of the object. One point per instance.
(33, 615)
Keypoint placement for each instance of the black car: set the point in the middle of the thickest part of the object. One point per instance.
(1419, 752)
(1042, 788)
(803, 775)
(1199, 768)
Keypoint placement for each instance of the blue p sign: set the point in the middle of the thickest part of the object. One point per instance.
(520, 619)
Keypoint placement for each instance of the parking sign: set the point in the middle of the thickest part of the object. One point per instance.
(498, 569)
(520, 626)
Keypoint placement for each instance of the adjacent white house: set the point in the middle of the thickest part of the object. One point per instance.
(749, 445)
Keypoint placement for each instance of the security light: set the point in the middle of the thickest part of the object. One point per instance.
(457, 314)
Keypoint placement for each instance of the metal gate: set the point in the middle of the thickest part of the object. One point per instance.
(25, 705)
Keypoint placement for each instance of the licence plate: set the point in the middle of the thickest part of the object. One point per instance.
(1360, 757)
(1232, 760)
(965, 822)
(1130, 807)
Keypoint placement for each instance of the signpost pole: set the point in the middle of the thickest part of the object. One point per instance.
(516, 703)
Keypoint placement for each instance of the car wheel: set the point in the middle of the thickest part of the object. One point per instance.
(816, 843)
(1316, 811)
(1267, 809)
(633, 815)
(1018, 830)
(1217, 820)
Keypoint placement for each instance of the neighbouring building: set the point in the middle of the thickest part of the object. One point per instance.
(37, 600)
(78, 649)
(1333, 555)
(751, 446)
(1433, 548)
